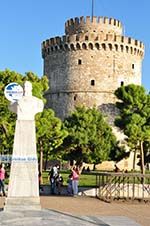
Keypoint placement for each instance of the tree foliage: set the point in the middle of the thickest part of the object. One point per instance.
(134, 118)
(7, 119)
(50, 133)
(90, 138)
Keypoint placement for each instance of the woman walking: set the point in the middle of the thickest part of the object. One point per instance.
(75, 180)
(2, 178)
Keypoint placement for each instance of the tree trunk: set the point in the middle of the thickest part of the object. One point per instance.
(46, 160)
(142, 159)
(71, 162)
(134, 159)
(41, 159)
(94, 167)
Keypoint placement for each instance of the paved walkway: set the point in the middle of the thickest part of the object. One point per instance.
(62, 210)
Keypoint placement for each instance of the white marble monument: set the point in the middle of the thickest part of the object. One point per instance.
(23, 189)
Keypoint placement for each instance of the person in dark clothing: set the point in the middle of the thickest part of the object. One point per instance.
(59, 183)
(53, 174)
(116, 168)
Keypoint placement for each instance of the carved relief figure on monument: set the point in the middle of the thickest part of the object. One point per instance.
(23, 109)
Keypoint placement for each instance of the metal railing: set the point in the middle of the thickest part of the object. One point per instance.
(127, 186)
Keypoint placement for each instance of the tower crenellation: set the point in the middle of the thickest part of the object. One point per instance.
(93, 24)
(111, 41)
(95, 54)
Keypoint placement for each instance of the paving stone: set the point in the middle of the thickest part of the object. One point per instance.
(47, 217)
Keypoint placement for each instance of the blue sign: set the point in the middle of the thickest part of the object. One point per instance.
(13, 92)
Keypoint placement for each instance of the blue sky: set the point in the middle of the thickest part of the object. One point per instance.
(24, 24)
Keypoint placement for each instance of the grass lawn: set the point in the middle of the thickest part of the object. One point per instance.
(87, 180)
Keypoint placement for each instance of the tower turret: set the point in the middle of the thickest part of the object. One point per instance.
(94, 24)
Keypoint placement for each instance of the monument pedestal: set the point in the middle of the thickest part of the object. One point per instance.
(22, 204)
(23, 189)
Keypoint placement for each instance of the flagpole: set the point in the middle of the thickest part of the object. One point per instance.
(92, 9)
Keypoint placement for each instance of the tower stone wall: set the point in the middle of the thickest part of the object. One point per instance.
(88, 63)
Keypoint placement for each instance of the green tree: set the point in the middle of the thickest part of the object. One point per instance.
(134, 117)
(50, 135)
(7, 118)
(90, 138)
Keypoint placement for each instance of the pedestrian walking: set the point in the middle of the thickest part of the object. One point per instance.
(53, 174)
(2, 178)
(75, 180)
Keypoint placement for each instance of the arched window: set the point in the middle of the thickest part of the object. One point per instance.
(90, 46)
(86, 38)
(56, 48)
(129, 40)
(116, 47)
(61, 47)
(121, 47)
(127, 49)
(110, 46)
(72, 47)
(135, 50)
(92, 82)
(103, 46)
(97, 45)
(122, 83)
(79, 61)
(75, 97)
(84, 46)
(66, 46)
(77, 38)
(78, 46)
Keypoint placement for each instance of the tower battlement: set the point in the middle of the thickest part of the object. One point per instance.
(93, 24)
(94, 41)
